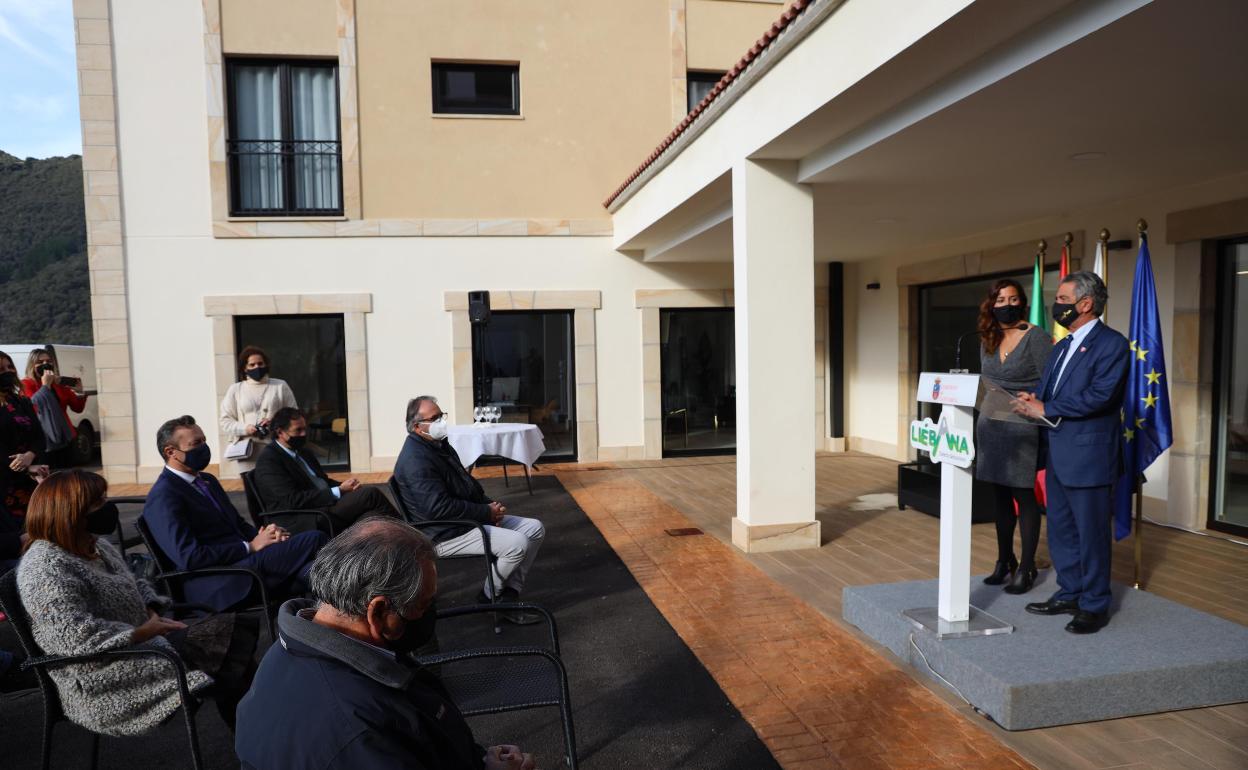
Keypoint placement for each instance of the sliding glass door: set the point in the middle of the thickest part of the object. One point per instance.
(699, 376)
(522, 363)
(1229, 498)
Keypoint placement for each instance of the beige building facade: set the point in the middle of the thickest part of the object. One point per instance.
(860, 154)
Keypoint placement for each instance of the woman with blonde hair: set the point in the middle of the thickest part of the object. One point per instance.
(249, 405)
(83, 599)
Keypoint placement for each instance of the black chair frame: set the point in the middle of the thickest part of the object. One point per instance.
(260, 516)
(53, 712)
(505, 461)
(464, 524)
(122, 541)
(171, 577)
(551, 655)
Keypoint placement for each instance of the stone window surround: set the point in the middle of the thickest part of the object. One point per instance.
(582, 303)
(106, 258)
(223, 308)
(651, 301)
(351, 224)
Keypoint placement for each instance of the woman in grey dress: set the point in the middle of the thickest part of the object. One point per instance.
(1012, 356)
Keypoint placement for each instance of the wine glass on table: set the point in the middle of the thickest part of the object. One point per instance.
(476, 414)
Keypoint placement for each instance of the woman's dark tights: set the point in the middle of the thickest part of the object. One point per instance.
(1028, 523)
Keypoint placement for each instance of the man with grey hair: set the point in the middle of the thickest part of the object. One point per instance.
(435, 486)
(341, 690)
(1081, 392)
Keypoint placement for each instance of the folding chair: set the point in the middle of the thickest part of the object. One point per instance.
(464, 524)
(260, 517)
(540, 680)
(172, 578)
(124, 542)
(53, 712)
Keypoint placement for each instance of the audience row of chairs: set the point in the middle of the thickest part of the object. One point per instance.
(518, 677)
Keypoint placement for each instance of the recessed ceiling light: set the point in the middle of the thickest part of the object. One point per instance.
(1087, 156)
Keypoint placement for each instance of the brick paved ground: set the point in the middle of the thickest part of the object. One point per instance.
(818, 697)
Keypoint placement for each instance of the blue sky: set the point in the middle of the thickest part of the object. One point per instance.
(38, 79)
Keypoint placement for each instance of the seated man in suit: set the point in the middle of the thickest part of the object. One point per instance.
(196, 525)
(289, 477)
(435, 485)
(1081, 390)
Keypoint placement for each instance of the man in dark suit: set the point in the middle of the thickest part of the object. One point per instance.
(1081, 390)
(435, 485)
(289, 477)
(196, 525)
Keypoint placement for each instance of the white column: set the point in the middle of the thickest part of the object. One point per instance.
(773, 282)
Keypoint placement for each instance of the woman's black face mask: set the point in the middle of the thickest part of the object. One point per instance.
(103, 520)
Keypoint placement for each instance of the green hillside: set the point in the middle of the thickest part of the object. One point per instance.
(44, 287)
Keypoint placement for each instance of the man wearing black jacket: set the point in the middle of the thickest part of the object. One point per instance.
(288, 477)
(341, 691)
(435, 485)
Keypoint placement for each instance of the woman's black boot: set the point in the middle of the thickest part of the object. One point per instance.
(1002, 571)
(1023, 580)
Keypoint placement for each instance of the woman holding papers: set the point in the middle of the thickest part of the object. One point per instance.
(1012, 356)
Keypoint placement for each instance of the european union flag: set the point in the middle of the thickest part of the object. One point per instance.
(1146, 428)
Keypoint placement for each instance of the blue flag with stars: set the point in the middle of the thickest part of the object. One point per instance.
(1146, 427)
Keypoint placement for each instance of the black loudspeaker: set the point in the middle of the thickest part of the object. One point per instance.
(479, 307)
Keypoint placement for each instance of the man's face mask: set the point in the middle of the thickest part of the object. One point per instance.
(438, 429)
(416, 633)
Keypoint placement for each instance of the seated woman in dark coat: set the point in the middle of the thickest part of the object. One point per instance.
(1012, 356)
(82, 598)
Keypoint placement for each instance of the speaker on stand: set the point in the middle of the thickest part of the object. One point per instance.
(479, 317)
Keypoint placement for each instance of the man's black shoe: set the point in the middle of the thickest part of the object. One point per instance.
(1087, 622)
(1053, 607)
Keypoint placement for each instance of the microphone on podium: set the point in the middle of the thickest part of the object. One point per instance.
(957, 354)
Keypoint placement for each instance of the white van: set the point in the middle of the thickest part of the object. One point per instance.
(75, 361)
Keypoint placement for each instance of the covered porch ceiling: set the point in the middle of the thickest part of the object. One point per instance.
(1151, 101)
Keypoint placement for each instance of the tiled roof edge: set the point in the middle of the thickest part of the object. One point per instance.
(790, 15)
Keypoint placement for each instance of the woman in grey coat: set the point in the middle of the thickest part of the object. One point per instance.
(82, 598)
(1012, 356)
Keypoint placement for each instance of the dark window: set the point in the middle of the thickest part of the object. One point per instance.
(699, 84)
(948, 311)
(523, 364)
(698, 368)
(309, 353)
(1228, 504)
(476, 89)
(285, 156)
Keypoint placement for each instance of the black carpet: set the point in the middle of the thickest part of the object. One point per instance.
(640, 697)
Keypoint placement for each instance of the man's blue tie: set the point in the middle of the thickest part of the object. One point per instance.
(202, 485)
(1063, 350)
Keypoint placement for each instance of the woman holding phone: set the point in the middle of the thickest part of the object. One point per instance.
(1012, 356)
(249, 405)
(53, 405)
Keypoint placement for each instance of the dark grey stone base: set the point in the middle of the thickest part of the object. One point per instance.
(1155, 655)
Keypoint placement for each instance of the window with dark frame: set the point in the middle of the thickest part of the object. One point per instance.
(698, 85)
(284, 149)
(476, 89)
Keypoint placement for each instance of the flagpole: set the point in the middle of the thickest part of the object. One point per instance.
(1103, 237)
(1142, 227)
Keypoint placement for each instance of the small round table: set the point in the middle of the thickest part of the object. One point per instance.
(520, 443)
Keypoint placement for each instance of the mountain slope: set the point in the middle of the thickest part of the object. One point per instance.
(44, 286)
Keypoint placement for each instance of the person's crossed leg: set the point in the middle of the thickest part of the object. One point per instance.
(514, 541)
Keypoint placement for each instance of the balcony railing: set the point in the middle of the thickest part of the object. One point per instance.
(271, 177)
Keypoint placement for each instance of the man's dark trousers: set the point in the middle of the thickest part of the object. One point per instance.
(1079, 542)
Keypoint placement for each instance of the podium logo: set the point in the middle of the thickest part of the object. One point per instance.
(944, 443)
(936, 390)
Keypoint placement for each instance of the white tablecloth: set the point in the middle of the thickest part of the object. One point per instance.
(521, 442)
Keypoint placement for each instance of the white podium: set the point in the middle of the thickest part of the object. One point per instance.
(950, 443)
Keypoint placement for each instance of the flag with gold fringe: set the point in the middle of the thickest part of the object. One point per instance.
(1146, 426)
(1060, 331)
